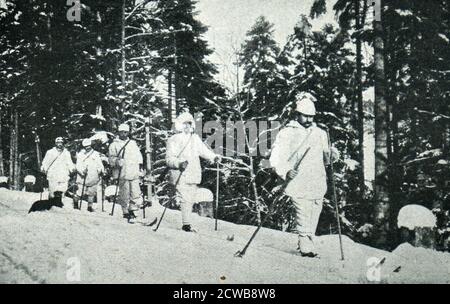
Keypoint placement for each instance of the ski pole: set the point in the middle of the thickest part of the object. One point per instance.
(217, 195)
(103, 194)
(143, 203)
(118, 176)
(333, 188)
(167, 203)
(82, 189)
(241, 253)
(115, 194)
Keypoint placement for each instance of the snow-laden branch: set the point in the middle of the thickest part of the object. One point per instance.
(136, 8)
(134, 28)
(436, 116)
(152, 34)
(236, 161)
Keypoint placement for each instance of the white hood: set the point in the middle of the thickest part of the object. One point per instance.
(184, 117)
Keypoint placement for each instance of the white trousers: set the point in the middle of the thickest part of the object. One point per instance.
(129, 196)
(307, 218)
(188, 195)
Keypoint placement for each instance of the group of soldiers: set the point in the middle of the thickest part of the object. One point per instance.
(124, 158)
(299, 156)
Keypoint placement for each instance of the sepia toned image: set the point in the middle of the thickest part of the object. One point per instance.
(224, 142)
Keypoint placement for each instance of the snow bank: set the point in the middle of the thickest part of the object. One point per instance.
(412, 216)
(29, 179)
(408, 264)
(44, 247)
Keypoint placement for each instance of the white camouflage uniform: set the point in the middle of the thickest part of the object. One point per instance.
(308, 188)
(129, 196)
(188, 147)
(57, 165)
(92, 162)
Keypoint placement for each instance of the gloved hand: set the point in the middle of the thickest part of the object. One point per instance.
(182, 166)
(83, 173)
(217, 159)
(291, 174)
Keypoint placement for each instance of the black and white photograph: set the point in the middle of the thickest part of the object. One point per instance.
(224, 143)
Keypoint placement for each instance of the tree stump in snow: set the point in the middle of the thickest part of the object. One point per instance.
(419, 237)
(30, 182)
(4, 182)
(417, 226)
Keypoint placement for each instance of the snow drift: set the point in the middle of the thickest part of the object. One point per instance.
(44, 247)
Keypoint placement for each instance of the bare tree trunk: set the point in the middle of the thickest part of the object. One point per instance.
(122, 48)
(38, 151)
(393, 142)
(49, 27)
(16, 150)
(247, 144)
(2, 168)
(170, 97)
(13, 154)
(251, 166)
(360, 120)
(175, 78)
(305, 54)
(148, 155)
(11, 150)
(381, 135)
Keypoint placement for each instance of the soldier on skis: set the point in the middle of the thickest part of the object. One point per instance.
(306, 186)
(58, 166)
(184, 150)
(89, 172)
(126, 160)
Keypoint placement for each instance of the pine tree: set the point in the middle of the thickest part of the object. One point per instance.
(381, 138)
(352, 16)
(259, 58)
(183, 55)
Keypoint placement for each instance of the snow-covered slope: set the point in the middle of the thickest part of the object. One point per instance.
(43, 247)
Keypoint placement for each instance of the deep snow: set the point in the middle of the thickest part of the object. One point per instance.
(42, 248)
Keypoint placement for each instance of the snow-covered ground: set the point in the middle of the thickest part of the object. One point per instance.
(64, 245)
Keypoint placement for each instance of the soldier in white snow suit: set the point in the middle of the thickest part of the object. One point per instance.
(126, 160)
(58, 166)
(307, 185)
(89, 172)
(184, 150)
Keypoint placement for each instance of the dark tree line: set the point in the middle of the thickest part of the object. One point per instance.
(130, 60)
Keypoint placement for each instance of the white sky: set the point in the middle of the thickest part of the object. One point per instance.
(229, 20)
